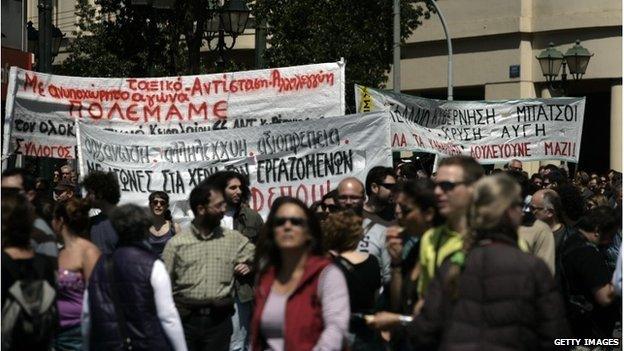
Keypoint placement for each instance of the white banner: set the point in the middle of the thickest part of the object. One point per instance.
(489, 131)
(305, 159)
(42, 108)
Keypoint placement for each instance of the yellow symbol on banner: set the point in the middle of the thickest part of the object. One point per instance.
(366, 102)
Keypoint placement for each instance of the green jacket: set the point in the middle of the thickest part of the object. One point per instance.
(249, 223)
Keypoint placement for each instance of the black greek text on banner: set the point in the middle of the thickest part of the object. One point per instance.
(489, 131)
(305, 159)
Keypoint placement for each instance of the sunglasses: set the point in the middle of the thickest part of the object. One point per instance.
(349, 197)
(159, 202)
(447, 186)
(296, 221)
(389, 186)
(330, 208)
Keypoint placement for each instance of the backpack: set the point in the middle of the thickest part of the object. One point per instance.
(578, 308)
(29, 313)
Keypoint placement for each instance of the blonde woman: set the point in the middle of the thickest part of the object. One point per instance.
(490, 295)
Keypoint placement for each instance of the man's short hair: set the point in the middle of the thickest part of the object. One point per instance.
(17, 219)
(583, 178)
(223, 177)
(472, 169)
(552, 201)
(103, 185)
(601, 219)
(555, 177)
(377, 175)
(200, 195)
(28, 182)
(131, 223)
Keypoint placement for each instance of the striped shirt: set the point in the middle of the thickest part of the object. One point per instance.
(202, 268)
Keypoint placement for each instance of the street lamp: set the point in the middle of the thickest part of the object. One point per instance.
(152, 5)
(577, 58)
(33, 39)
(230, 19)
(552, 61)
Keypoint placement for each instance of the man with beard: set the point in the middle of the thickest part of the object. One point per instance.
(239, 217)
(202, 262)
(379, 208)
(351, 197)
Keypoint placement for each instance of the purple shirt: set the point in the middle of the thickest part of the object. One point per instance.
(71, 288)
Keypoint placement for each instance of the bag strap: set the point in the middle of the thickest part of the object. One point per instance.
(121, 318)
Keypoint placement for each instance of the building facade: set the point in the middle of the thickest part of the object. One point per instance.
(490, 39)
(491, 36)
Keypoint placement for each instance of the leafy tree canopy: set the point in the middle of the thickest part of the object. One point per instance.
(360, 31)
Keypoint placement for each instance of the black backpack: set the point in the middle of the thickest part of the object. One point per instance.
(579, 308)
(29, 313)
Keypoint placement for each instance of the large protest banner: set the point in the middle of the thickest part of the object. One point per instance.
(305, 159)
(42, 108)
(489, 131)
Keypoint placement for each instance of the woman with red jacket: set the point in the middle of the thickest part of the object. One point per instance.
(301, 299)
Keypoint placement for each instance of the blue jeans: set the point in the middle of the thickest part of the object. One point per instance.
(240, 324)
(69, 339)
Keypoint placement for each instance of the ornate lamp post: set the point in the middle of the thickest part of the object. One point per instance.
(230, 19)
(33, 45)
(552, 61)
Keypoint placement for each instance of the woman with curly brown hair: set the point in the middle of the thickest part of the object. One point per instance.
(342, 231)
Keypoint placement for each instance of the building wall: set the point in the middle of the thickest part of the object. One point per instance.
(489, 36)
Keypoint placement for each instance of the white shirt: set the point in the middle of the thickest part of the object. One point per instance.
(227, 221)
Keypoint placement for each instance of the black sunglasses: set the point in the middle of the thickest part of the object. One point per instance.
(330, 208)
(447, 186)
(296, 221)
(389, 186)
(159, 202)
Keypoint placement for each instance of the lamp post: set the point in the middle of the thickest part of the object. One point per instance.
(552, 61)
(44, 65)
(153, 6)
(230, 19)
(45, 43)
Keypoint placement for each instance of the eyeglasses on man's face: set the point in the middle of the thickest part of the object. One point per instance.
(447, 186)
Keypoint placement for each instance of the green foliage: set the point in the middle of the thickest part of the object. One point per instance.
(315, 31)
(115, 39)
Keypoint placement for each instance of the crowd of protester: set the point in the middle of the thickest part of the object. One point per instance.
(401, 260)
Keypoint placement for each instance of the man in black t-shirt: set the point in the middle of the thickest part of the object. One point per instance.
(587, 287)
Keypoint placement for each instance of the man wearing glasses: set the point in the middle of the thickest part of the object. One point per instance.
(351, 197)
(453, 192)
(380, 183)
(546, 206)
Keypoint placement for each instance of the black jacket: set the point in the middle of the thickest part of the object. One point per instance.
(506, 300)
(132, 272)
